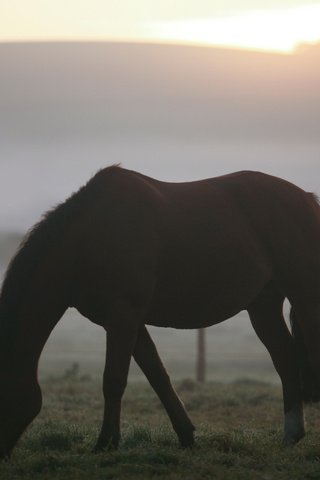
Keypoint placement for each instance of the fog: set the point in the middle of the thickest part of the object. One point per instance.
(174, 113)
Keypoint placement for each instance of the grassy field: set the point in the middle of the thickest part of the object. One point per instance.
(238, 436)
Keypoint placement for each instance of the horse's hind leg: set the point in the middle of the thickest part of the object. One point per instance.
(146, 356)
(267, 319)
(305, 322)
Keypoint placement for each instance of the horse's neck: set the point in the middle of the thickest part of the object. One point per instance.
(33, 296)
(25, 327)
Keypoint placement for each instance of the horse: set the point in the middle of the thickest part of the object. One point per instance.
(127, 251)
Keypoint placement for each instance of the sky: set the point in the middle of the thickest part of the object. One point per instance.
(250, 24)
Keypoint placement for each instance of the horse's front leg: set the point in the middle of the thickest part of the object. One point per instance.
(121, 338)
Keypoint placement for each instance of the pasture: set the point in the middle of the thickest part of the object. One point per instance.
(238, 436)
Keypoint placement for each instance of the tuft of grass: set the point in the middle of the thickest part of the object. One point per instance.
(61, 439)
(137, 435)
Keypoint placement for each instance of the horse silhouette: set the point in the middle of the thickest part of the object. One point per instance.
(129, 251)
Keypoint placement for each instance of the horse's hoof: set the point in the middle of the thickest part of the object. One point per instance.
(290, 441)
(186, 440)
(97, 449)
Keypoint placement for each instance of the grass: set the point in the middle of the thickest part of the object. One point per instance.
(239, 431)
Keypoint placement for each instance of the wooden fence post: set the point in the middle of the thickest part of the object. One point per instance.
(201, 356)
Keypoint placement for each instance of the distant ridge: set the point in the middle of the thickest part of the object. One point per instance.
(301, 48)
(57, 92)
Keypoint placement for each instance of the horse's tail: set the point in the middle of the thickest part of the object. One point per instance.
(309, 385)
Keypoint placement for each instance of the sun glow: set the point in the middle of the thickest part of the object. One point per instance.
(270, 30)
(164, 21)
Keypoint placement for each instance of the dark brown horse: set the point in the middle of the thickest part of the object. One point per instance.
(128, 251)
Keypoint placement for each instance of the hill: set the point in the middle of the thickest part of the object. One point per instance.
(62, 91)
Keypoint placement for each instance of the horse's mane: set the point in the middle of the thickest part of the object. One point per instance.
(42, 236)
(315, 197)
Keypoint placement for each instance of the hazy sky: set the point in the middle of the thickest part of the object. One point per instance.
(267, 25)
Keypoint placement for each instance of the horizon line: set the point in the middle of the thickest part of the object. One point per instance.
(300, 48)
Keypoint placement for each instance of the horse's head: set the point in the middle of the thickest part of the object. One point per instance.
(20, 402)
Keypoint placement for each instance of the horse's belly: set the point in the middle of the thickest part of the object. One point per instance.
(191, 301)
(178, 316)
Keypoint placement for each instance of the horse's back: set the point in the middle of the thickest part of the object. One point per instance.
(202, 249)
